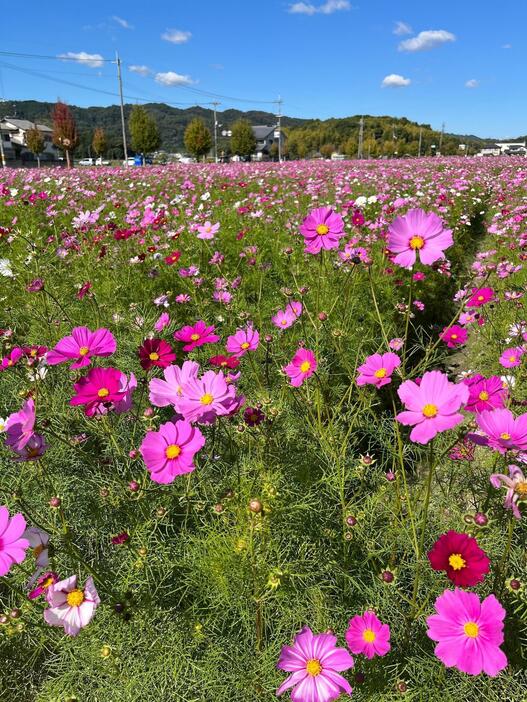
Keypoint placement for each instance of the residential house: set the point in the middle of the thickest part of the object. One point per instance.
(13, 133)
(265, 137)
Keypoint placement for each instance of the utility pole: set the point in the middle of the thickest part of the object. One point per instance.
(120, 80)
(215, 105)
(279, 116)
(441, 137)
(2, 154)
(420, 142)
(361, 138)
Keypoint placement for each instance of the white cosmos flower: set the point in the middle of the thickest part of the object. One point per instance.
(5, 268)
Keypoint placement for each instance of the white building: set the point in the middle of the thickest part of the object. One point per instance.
(504, 148)
(13, 132)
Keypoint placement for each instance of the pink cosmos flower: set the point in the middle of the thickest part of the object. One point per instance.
(512, 357)
(195, 336)
(205, 398)
(45, 581)
(454, 336)
(322, 229)
(377, 369)
(485, 393)
(162, 322)
(283, 319)
(432, 406)
(295, 307)
(19, 426)
(34, 449)
(81, 346)
(170, 451)
(170, 390)
(38, 540)
(11, 359)
(244, 340)
(368, 635)
(315, 664)
(480, 296)
(13, 545)
(396, 344)
(69, 606)
(302, 366)
(99, 386)
(516, 484)
(418, 231)
(469, 632)
(208, 230)
(503, 431)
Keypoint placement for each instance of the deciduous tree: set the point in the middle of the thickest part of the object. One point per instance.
(197, 138)
(64, 130)
(144, 131)
(243, 142)
(35, 142)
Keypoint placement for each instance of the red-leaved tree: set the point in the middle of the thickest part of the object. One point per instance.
(64, 130)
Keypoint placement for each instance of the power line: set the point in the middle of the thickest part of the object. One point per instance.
(57, 58)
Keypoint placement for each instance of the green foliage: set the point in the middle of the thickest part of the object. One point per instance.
(35, 141)
(144, 131)
(99, 143)
(198, 139)
(243, 142)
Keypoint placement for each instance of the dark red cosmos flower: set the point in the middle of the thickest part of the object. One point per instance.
(459, 555)
(155, 353)
(172, 258)
(253, 416)
(34, 352)
(224, 361)
(121, 538)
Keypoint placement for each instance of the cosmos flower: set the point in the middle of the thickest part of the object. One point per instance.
(516, 484)
(162, 322)
(11, 358)
(244, 340)
(468, 632)
(253, 416)
(418, 232)
(377, 369)
(322, 229)
(503, 432)
(197, 335)
(368, 635)
(454, 336)
(38, 541)
(99, 386)
(170, 451)
(432, 406)
(284, 319)
(480, 297)
(19, 426)
(70, 607)
(205, 398)
(155, 353)
(32, 450)
(208, 230)
(44, 581)
(485, 393)
(13, 544)
(511, 358)
(459, 555)
(315, 664)
(169, 391)
(302, 366)
(81, 346)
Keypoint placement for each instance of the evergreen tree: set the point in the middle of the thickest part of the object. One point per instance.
(64, 130)
(99, 144)
(197, 138)
(144, 131)
(35, 142)
(243, 142)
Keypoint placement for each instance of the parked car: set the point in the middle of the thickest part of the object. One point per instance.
(130, 161)
(86, 162)
(101, 162)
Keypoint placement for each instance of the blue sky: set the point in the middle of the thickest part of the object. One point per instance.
(457, 61)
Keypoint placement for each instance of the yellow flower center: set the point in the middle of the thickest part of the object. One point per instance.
(368, 635)
(305, 366)
(47, 583)
(471, 629)
(313, 667)
(454, 336)
(381, 373)
(154, 356)
(172, 451)
(456, 561)
(417, 242)
(83, 350)
(430, 411)
(194, 337)
(521, 489)
(283, 322)
(480, 298)
(505, 436)
(206, 399)
(512, 359)
(245, 345)
(483, 395)
(10, 362)
(75, 598)
(103, 392)
(33, 353)
(321, 230)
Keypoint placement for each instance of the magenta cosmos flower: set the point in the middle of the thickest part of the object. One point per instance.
(469, 632)
(516, 484)
(418, 231)
(322, 229)
(303, 365)
(69, 606)
(315, 664)
(479, 297)
(11, 359)
(377, 369)
(368, 635)
(459, 555)
(197, 335)
(155, 353)
(432, 407)
(12, 543)
(99, 386)
(19, 426)
(244, 340)
(454, 336)
(81, 346)
(503, 431)
(170, 451)
(485, 393)
(511, 358)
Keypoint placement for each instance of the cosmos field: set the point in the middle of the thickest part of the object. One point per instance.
(264, 431)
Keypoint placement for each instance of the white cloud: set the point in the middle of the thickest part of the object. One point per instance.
(176, 36)
(472, 83)
(122, 22)
(171, 78)
(427, 40)
(142, 70)
(327, 8)
(394, 80)
(507, 46)
(401, 28)
(91, 60)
